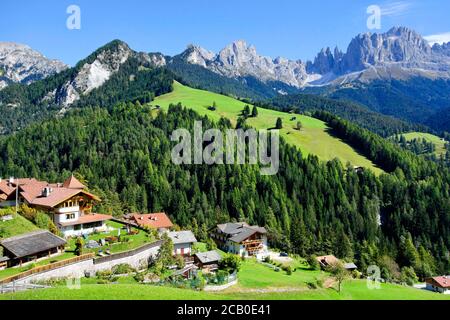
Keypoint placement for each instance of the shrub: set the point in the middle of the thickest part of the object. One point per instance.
(408, 276)
(28, 213)
(288, 270)
(313, 263)
(230, 262)
(139, 277)
(79, 246)
(122, 269)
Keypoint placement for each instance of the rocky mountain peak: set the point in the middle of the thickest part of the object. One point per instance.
(21, 64)
(197, 55)
(398, 45)
(94, 71)
(442, 49)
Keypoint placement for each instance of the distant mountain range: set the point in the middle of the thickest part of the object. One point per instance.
(400, 53)
(396, 73)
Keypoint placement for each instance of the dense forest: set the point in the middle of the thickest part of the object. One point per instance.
(398, 221)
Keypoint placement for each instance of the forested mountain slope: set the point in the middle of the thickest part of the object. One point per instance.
(313, 137)
(308, 207)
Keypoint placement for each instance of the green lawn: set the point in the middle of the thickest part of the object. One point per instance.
(256, 275)
(134, 242)
(438, 142)
(256, 282)
(17, 226)
(312, 139)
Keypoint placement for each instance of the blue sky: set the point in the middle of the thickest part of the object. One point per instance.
(295, 29)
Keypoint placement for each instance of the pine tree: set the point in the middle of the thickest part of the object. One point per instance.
(254, 112)
(279, 124)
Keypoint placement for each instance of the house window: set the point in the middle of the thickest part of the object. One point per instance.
(70, 216)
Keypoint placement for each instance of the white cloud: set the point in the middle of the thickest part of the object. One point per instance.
(396, 8)
(438, 38)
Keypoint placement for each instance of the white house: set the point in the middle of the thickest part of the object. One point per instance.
(68, 203)
(241, 238)
(182, 242)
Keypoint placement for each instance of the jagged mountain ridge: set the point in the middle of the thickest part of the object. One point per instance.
(399, 53)
(21, 64)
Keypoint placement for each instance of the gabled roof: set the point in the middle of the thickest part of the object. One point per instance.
(208, 257)
(153, 220)
(6, 188)
(179, 237)
(59, 195)
(327, 260)
(32, 243)
(31, 190)
(240, 231)
(73, 183)
(443, 281)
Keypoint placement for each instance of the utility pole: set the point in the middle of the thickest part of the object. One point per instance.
(17, 196)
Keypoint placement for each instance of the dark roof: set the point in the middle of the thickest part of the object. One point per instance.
(32, 243)
(179, 237)
(350, 265)
(240, 231)
(3, 259)
(208, 257)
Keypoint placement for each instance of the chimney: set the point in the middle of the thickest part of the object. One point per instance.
(46, 191)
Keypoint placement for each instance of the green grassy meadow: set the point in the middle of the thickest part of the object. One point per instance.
(313, 138)
(256, 282)
(438, 142)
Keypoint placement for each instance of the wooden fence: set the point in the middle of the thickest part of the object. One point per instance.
(47, 267)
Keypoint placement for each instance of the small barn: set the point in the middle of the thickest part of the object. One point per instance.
(208, 261)
(31, 247)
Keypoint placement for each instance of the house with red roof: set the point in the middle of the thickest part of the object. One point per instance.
(69, 203)
(159, 221)
(438, 284)
(6, 189)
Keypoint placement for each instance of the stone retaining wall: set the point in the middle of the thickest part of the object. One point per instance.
(134, 258)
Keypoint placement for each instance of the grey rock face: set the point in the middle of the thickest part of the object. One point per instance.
(239, 60)
(93, 75)
(21, 64)
(442, 49)
(398, 45)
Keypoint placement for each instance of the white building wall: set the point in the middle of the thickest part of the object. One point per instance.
(62, 217)
(70, 231)
(186, 246)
